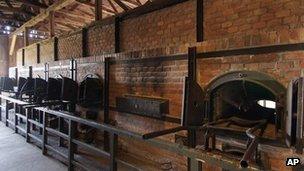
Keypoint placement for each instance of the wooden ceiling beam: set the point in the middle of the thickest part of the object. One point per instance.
(35, 3)
(130, 3)
(44, 15)
(105, 9)
(8, 3)
(113, 6)
(10, 18)
(138, 1)
(122, 5)
(72, 20)
(65, 25)
(86, 3)
(98, 10)
(16, 10)
(51, 24)
(69, 13)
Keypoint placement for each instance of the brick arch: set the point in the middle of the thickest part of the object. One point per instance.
(260, 78)
(257, 77)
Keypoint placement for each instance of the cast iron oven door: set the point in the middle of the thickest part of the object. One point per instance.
(144, 106)
(27, 88)
(90, 91)
(1, 82)
(69, 90)
(54, 86)
(7, 84)
(40, 89)
(241, 103)
(242, 94)
(21, 82)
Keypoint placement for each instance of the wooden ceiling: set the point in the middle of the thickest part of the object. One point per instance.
(14, 13)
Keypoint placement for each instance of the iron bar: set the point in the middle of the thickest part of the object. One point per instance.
(113, 151)
(27, 124)
(21, 116)
(48, 147)
(10, 122)
(1, 107)
(21, 129)
(163, 132)
(91, 148)
(44, 133)
(58, 133)
(31, 121)
(195, 154)
(106, 101)
(6, 112)
(71, 147)
(35, 138)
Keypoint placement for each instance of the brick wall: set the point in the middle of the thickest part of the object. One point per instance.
(171, 26)
(3, 55)
(19, 58)
(171, 31)
(47, 51)
(224, 18)
(159, 79)
(70, 46)
(100, 39)
(30, 55)
(13, 58)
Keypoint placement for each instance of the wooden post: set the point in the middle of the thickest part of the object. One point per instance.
(28, 125)
(117, 34)
(193, 164)
(72, 147)
(23, 57)
(38, 53)
(16, 118)
(44, 133)
(84, 42)
(98, 10)
(113, 152)
(56, 49)
(6, 112)
(0, 107)
(199, 20)
(26, 37)
(106, 101)
(51, 24)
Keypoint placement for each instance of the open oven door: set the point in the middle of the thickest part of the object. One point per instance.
(193, 109)
(295, 114)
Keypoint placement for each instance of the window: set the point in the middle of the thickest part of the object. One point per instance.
(267, 103)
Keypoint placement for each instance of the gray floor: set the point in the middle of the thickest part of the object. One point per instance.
(16, 154)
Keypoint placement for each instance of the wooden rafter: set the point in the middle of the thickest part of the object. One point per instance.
(35, 3)
(98, 10)
(130, 3)
(71, 20)
(66, 25)
(51, 24)
(44, 15)
(113, 6)
(86, 13)
(16, 10)
(122, 5)
(138, 1)
(105, 9)
(71, 14)
(86, 3)
(10, 18)
(8, 3)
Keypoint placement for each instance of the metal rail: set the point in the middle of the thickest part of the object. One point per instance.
(114, 133)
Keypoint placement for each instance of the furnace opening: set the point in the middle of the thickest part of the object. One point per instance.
(249, 96)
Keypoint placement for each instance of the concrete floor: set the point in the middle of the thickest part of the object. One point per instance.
(16, 154)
